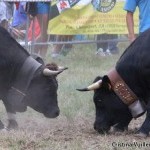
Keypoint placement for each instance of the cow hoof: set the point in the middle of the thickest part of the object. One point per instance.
(4, 130)
(119, 130)
(1, 125)
(12, 124)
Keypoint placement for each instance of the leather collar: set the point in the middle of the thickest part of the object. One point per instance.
(20, 85)
(121, 88)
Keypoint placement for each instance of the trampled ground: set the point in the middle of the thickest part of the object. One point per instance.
(73, 129)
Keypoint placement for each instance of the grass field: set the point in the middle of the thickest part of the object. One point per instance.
(73, 129)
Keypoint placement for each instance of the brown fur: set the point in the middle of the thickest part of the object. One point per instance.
(52, 66)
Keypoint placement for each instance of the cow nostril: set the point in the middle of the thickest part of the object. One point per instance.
(57, 113)
(52, 114)
(95, 127)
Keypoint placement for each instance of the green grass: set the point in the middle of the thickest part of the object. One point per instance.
(84, 66)
(73, 129)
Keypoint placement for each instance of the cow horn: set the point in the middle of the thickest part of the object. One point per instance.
(61, 68)
(93, 86)
(48, 72)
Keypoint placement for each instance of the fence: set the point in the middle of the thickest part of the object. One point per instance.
(54, 40)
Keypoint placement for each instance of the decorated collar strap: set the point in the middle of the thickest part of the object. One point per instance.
(121, 88)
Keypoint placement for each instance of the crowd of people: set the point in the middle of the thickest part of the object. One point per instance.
(14, 15)
(38, 15)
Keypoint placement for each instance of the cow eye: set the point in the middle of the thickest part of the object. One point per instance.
(99, 100)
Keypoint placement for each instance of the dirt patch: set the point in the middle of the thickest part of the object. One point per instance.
(62, 134)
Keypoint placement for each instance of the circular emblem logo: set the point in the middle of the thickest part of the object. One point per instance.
(103, 6)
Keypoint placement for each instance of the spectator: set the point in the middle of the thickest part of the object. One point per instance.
(6, 12)
(31, 9)
(34, 28)
(107, 48)
(19, 20)
(19, 16)
(43, 9)
(144, 16)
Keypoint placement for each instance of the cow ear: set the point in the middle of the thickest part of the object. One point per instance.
(106, 83)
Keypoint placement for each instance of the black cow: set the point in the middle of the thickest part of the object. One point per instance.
(113, 97)
(25, 81)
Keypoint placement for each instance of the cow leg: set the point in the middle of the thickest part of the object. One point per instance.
(1, 125)
(145, 128)
(12, 123)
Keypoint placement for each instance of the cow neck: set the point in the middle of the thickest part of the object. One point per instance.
(23, 79)
(121, 88)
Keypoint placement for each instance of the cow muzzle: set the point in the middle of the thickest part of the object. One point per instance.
(52, 114)
(101, 129)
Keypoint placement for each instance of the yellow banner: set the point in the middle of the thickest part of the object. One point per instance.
(89, 19)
